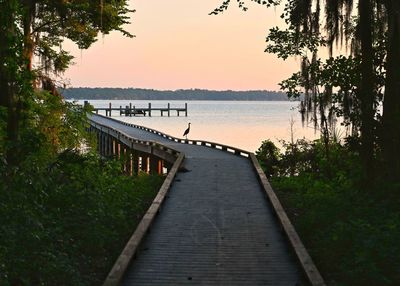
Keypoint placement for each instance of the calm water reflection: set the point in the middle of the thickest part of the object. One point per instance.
(243, 124)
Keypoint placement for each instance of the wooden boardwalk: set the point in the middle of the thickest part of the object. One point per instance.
(216, 227)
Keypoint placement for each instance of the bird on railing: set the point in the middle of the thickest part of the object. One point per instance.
(186, 131)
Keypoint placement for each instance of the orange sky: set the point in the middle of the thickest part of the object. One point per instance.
(178, 45)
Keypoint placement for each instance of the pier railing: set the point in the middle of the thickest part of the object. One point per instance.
(120, 266)
(139, 155)
(219, 146)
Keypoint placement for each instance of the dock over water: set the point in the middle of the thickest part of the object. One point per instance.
(132, 110)
(219, 224)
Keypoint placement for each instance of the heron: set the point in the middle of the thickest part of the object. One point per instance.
(186, 131)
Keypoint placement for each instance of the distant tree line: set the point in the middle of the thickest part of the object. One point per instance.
(181, 94)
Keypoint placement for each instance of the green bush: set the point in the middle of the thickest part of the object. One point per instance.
(64, 216)
(268, 155)
(64, 223)
(351, 232)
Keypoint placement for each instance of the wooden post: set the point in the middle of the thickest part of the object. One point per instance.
(109, 112)
(160, 168)
(108, 149)
(130, 165)
(130, 109)
(99, 145)
(140, 163)
(169, 108)
(186, 109)
(150, 109)
(127, 161)
(153, 165)
(98, 140)
(120, 110)
(125, 158)
(107, 145)
(118, 150)
(111, 142)
(103, 144)
(135, 163)
(115, 148)
(145, 163)
(110, 146)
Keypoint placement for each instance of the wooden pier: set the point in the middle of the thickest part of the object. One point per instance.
(132, 110)
(215, 220)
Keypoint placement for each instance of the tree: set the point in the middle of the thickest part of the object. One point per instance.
(13, 78)
(37, 28)
(372, 32)
(305, 20)
(391, 104)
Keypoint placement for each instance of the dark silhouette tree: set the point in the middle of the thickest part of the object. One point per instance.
(372, 32)
(391, 103)
(37, 28)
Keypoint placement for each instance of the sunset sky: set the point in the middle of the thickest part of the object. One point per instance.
(178, 46)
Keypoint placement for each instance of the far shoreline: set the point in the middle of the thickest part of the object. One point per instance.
(85, 93)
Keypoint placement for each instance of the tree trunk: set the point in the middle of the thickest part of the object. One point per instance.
(29, 17)
(391, 104)
(366, 90)
(10, 57)
(4, 47)
(8, 72)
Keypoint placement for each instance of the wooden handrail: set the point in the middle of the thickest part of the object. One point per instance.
(210, 144)
(310, 270)
(135, 143)
(120, 266)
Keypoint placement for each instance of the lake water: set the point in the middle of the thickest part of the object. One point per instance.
(242, 124)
